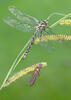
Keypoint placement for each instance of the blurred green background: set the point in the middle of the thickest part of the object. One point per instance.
(54, 82)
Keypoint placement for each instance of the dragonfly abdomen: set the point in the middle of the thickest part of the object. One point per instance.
(35, 74)
(34, 36)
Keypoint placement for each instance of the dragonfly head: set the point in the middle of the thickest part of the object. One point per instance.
(46, 22)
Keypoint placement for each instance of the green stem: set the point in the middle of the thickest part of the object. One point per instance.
(18, 58)
(60, 20)
(15, 63)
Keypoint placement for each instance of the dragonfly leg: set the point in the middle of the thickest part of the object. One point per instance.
(48, 30)
(41, 33)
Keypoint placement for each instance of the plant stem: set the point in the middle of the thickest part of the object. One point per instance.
(53, 25)
(15, 63)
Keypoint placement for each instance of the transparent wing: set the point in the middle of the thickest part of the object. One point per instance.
(20, 20)
(62, 29)
(22, 16)
(25, 27)
(46, 44)
(54, 17)
(54, 20)
(57, 29)
(49, 46)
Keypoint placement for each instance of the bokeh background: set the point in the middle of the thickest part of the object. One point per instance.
(54, 82)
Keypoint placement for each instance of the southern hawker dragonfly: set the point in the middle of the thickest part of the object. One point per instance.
(26, 23)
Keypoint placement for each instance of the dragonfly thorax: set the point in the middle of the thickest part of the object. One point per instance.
(42, 24)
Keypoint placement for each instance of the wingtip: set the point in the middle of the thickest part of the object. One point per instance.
(8, 21)
(5, 20)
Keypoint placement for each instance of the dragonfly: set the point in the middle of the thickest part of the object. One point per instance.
(26, 23)
(35, 74)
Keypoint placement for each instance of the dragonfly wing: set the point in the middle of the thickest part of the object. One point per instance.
(25, 27)
(59, 28)
(48, 44)
(53, 17)
(48, 31)
(22, 16)
(58, 31)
